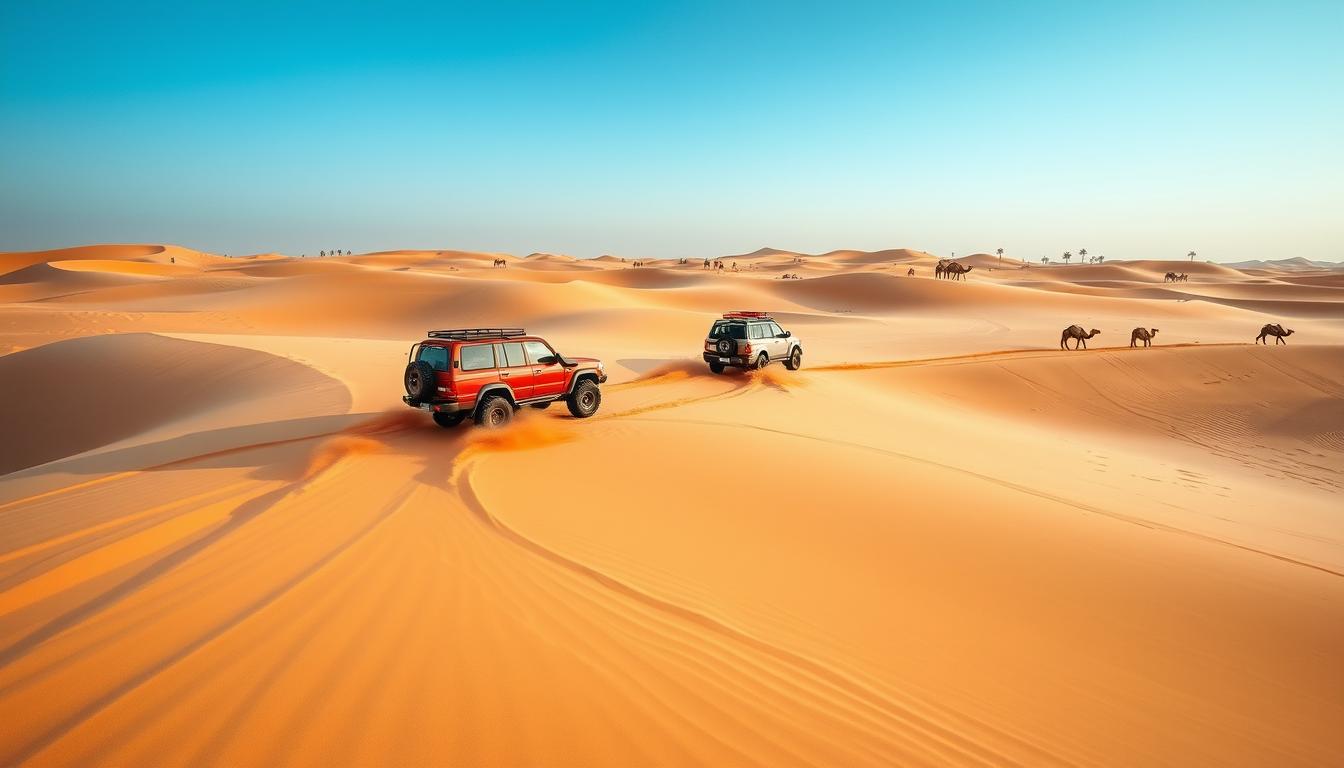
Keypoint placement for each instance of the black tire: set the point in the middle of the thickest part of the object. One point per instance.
(494, 413)
(795, 359)
(542, 406)
(420, 381)
(716, 367)
(448, 420)
(761, 362)
(585, 400)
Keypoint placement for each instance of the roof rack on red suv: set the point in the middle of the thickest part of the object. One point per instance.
(463, 334)
(743, 314)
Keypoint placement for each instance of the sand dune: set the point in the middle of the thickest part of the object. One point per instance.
(224, 540)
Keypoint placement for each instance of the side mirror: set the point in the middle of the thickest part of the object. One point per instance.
(784, 335)
(548, 360)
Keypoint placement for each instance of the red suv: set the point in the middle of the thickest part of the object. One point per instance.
(488, 373)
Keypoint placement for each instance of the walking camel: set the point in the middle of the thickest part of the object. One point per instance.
(940, 269)
(1142, 334)
(1076, 333)
(500, 263)
(910, 273)
(1275, 330)
(955, 271)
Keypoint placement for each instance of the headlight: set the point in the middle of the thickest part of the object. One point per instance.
(601, 365)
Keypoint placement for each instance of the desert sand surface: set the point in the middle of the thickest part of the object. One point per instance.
(224, 540)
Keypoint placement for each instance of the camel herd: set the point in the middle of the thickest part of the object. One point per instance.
(1172, 277)
(1146, 336)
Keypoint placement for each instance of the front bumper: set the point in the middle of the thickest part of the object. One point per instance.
(730, 360)
(446, 407)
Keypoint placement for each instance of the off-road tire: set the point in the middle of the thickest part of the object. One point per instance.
(585, 399)
(795, 359)
(494, 413)
(716, 367)
(419, 381)
(761, 362)
(542, 406)
(449, 420)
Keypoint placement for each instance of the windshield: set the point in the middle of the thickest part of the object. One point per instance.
(727, 329)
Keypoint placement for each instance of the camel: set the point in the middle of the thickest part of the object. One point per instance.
(1184, 278)
(1170, 277)
(500, 263)
(940, 269)
(911, 273)
(955, 271)
(1277, 331)
(1077, 333)
(1142, 334)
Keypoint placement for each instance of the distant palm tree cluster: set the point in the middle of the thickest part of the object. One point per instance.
(1083, 258)
(337, 252)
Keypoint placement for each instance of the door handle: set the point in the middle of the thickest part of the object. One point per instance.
(536, 370)
(503, 374)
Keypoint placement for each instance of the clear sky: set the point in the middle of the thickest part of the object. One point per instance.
(1134, 130)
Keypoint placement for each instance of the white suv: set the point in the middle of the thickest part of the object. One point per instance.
(751, 340)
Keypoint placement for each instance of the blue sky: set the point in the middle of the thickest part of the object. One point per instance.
(665, 129)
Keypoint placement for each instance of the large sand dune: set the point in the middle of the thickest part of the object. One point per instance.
(945, 541)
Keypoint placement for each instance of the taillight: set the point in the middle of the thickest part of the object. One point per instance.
(746, 349)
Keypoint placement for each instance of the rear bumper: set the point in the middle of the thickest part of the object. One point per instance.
(734, 361)
(453, 407)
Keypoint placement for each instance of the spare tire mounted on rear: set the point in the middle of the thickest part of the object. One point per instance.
(419, 380)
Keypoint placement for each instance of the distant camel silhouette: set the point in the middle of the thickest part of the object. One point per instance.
(1275, 330)
(1184, 278)
(911, 273)
(1076, 333)
(1142, 334)
(500, 263)
(955, 271)
(1170, 277)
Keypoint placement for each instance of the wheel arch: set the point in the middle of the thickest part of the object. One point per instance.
(490, 390)
(587, 373)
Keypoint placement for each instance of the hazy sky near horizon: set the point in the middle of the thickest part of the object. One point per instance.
(1135, 130)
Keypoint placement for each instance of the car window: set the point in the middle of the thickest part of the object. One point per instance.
(478, 357)
(728, 330)
(536, 350)
(775, 330)
(758, 331)
(437, 357)
(513, 354)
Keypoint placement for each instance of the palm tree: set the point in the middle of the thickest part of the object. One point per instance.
(1067, 255)
(1000, 252)
(1100, 259)
(1082, 255)
(321, 253)
(1191, 255)
(1045, 259)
